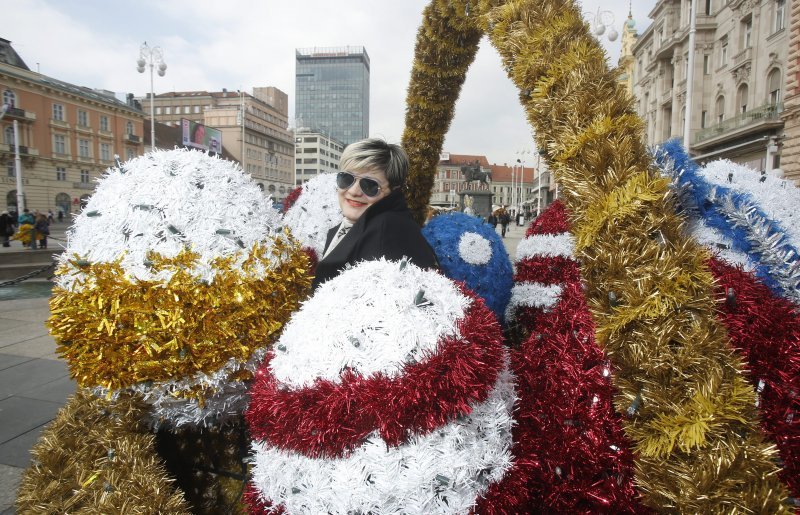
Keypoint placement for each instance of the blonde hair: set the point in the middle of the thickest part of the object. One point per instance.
(376, 154)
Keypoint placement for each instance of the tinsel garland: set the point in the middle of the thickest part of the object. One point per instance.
(570, 447)
(765, 328)
(470, 250)
(739, 217)
(447, 42)
(313, 212)
(691, 413)
(408, 323)
(95, 457)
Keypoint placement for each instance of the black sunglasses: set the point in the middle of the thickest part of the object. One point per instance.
(370, 187)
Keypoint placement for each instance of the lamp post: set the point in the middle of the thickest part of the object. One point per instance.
(152, 57)
(602, 21)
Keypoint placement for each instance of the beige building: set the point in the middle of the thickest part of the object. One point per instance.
(68, 135)
(315, 153)
(264, 145)
(790, 153)
(449, 180)
(626, 59)
(740, 61)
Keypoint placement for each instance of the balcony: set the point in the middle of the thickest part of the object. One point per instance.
(133, 138)
(15, 113)
(83, 185)
(743, 57)
(23, 151)
(760, 116)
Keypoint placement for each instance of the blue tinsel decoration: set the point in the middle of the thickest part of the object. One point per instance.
(493, 280)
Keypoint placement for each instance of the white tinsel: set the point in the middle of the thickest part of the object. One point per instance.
(444, 471)
(376, 316)
(315, 212)
(474, 248)
(546, 245)
(718, 244)
(164, 202)
(779, 199)
(533, 295)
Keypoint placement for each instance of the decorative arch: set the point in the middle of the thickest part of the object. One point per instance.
(592, 141)
(63, 202)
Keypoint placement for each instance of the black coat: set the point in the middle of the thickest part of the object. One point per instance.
(386, 229)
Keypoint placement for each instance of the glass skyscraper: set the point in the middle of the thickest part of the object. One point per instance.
(332, 91)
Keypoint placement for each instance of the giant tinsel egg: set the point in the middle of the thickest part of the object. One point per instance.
(387, 392)
(175, 280)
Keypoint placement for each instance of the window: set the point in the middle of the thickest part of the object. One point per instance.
(741, 98)
(11, 170)
(689, 12)
(58, 112)
(780, 15)
(196, 109)
(129, 127)
(129, 154)
(9, 135)
(706, 64)
(720, 107)
(105, 151)
(83, 118)
(774, 86)
(158, 110)
(723, 52)
(708, 7)
(168, 110)
(704, 119)
(84, 176)
(9, 98)
(61, 173)
(60, 144)
(104, 123)
(186, 109)
(747, 32)
(83, 147)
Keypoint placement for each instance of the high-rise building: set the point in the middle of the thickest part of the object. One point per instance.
(67, 136)
(332, 91)
(740, 62)
(315, 154)
(263, 144)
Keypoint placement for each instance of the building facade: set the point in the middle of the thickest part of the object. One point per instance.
(450, 180)
(790, 153)
(332, 91)
(626, 58)
(315, 153)
(68, 136)
(263, 144)
(739, 67)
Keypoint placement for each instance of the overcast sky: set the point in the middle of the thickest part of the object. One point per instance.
(233, 44)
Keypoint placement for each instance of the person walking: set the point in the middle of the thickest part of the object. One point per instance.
(505, 219)
(6, 228)
(42, 230)
(493, 220)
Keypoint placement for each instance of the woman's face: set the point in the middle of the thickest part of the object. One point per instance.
(353, 201)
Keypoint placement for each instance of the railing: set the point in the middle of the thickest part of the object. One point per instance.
(133, 138)
(23, 150)
(768, 112)
(20, 114)
(743, 56)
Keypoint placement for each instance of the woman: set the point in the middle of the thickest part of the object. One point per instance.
(42, 227)
(377, 222)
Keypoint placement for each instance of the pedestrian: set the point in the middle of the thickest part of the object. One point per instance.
(505, 219)
(26, 231)
(60, 215)
(50, 216)
(6, 228)
(42, 226)
(493, 220)
(376, 222)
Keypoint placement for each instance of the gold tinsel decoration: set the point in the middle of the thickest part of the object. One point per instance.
(95, 458)
(689, 410)
(115, 331)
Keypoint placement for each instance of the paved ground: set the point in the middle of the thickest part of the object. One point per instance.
(34, 383)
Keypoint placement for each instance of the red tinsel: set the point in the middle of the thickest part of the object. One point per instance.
(571, 453)
(765, 328)
(330, 419)
(291, 198)
(256, 505)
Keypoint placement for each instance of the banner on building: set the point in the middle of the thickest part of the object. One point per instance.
(197, 135)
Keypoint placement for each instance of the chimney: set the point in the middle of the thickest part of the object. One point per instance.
(224, 92)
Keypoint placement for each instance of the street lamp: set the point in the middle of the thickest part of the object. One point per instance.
(151, 56)
(602, 21)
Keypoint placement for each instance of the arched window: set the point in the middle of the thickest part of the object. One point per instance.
(63, 202)
(8, 136)
(741, 98)
(774, 86)
(271, 188)
(261, 186)
(720, 105)
(9, 98)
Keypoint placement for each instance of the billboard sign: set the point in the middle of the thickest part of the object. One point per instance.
(197, 135)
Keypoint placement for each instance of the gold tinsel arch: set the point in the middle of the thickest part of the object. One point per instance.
(690, 411)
